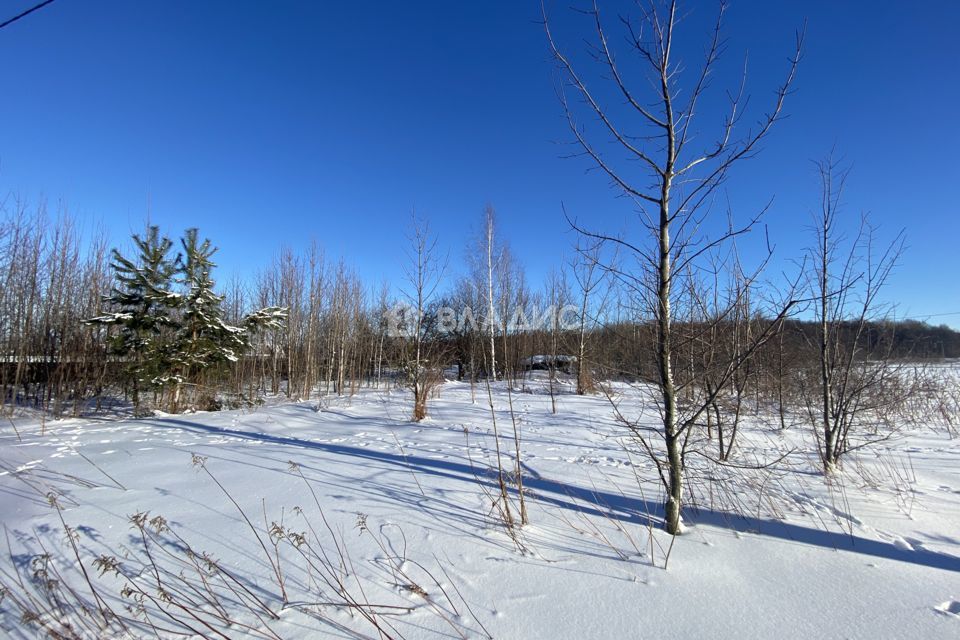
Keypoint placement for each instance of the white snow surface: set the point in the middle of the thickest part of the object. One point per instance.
(873, 554)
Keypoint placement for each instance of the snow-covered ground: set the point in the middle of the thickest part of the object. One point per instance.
(402, 514)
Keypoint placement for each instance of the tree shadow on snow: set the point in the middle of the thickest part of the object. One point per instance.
(602, 503)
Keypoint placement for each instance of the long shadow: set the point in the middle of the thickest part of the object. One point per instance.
(604, 503)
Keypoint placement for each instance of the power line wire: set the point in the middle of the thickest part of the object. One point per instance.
(25, 13)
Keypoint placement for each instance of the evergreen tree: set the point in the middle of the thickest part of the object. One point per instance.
(204, 338)
(169, 338)
(144, 308)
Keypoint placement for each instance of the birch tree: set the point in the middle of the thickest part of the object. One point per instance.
(649, 147)
(491, 262)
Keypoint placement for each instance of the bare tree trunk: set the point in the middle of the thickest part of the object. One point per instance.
(658, 154)
(672, 440)
(491, 315)
(826, 384)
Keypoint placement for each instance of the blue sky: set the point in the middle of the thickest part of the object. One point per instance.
(272, 123)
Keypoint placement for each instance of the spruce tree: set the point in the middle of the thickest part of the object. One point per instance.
(167, 338)
(144, 307)
(204, 338)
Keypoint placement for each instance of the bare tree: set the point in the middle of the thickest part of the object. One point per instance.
(588, 277)
(488, 219)
(557, 296)
(51, 277)
(674, 191)
(858, 384)
(719, 329)
(488, 277)
(381, 322)
(424, 271)
(317, 273)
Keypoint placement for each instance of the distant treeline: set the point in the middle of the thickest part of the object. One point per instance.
(629, 347)
(189, 350)
(913, 338)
